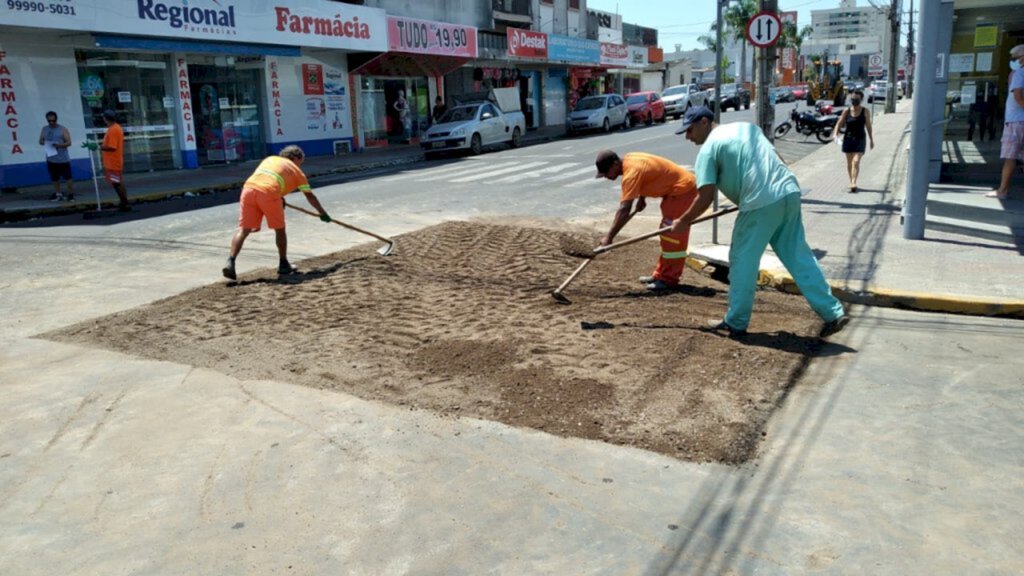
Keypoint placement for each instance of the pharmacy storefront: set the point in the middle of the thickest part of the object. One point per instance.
(198, 84)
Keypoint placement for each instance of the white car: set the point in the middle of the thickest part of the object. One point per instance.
(473, 127)
(678, 99)
(598, 113)
(878, 89)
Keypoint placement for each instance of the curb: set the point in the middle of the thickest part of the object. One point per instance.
(886, 298)
(27, 213)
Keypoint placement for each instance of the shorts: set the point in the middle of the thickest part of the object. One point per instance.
(853, 145)
(255, 205)
(1013, 141)
(113, 176)
(59, 170)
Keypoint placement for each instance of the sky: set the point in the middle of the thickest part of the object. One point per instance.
(682, 21)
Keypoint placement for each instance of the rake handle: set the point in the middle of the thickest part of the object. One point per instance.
(340, 223)
(660, 231)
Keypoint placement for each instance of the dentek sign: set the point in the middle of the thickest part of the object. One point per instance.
(427, 37)
(526, 43)
(317, 23)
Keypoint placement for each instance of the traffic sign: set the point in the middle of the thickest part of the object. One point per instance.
(875, 61)
(764, 29)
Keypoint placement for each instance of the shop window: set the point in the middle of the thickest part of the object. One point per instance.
(574, 4)
(138, 87)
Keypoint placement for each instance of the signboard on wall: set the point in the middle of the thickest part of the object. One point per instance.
(526, 43)
(575, 50)
(428, 37)
(316, 23)
(312, 79)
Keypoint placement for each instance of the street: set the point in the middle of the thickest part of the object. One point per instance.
(895, 452)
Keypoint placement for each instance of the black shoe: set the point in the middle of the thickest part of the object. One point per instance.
(833, 326)
(720, 325)
(124, 208)
(229, 270)
(646, 279)
(286, 269)
(70, 197)
(56, 198)
(659, 286)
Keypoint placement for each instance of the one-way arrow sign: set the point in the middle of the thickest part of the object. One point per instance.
(764, 29)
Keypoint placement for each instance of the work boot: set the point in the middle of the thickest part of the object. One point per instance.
(56, 198)
(646, 279)
(124, 207)
(70, 197)
(229, 270)
(284, 269)
(659, 286)
(833, 326)
(721, 326)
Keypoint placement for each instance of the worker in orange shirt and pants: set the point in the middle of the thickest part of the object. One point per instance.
(263, 196)
(649, 176)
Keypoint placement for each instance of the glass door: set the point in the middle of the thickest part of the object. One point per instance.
(225, 100)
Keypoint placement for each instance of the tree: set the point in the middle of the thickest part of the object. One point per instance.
(736, 17)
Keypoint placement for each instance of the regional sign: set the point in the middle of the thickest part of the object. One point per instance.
(316, 23)
(764, 29)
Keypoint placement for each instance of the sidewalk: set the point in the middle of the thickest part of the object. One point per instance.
(859, 237)
(35, 201)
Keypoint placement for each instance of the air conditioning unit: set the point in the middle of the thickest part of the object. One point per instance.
(342, 147)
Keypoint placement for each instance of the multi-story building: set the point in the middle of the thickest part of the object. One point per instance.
(849, 33)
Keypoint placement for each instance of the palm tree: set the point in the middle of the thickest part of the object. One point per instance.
(736, 17)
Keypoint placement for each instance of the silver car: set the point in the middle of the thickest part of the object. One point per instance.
(678, 99)
(598, 113)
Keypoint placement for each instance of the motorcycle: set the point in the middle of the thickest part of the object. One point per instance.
(807, 124)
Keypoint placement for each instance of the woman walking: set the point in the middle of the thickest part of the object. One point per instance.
(857, 121)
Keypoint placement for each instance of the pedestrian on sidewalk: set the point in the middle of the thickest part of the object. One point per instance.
(263, 196)
(56, 139)
(649, 176)
(112, 152)
(1012, 148)
(739, 160)
(857, 121)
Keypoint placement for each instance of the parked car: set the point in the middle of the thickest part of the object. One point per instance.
(878, 89)
(598, 113)
(799, 91)
(784, 94)
(734, 96)
(678, 99)
(646, 107)
(475, 126)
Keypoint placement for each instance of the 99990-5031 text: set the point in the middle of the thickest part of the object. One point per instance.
(42, 7)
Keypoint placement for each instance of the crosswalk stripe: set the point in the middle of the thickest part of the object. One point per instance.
(534, 174)
(483, 175)
(468, 170)
(589, 169)
(429, 172)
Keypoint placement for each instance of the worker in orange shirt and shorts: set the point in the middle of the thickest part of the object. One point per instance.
(112, 153)
(649, 176)
(263, 196)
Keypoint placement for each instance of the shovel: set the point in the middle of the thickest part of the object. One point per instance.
(557, 293)
(383, 250)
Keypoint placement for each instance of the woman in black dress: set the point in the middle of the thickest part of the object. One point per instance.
(857, 121)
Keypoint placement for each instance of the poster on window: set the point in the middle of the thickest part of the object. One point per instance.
(312, 79)
(334, 92)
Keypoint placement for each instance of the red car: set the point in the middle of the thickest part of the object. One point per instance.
(646, 107)
(800, 91)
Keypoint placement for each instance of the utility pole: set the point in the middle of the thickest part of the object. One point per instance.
(910, 53)
(765, 68)
(894, 48)
(720, 4)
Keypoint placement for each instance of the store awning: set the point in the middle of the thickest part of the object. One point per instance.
(193, 46)
(401, 64)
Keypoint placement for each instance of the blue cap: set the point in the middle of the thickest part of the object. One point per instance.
(694, 115)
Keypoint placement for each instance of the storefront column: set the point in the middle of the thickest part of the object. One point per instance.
(186, 133)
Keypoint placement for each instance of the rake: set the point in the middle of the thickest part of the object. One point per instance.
(383, 250)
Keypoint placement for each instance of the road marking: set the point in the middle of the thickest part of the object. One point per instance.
(447, 173)
(483, 175)
(428, 172)
(535, 173)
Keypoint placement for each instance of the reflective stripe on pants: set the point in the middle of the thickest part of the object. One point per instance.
(672, 260)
